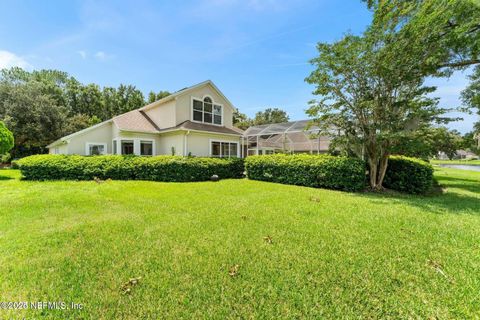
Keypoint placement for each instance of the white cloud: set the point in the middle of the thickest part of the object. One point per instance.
(100, 55)
(9, 59)
(83, 54)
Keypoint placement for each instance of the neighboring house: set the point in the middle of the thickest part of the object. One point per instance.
(459, 154)
(194, 121)
(465, 154)
(290, 137)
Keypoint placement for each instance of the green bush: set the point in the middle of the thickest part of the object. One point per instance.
(408, 175)
(319, 171)
(14, 164)
(158, 168)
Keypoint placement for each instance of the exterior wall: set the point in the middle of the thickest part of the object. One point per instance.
(62, 149)
(184, 105)
(169, 140)
(136, 137)
(164, 114)
(102, 134)
(199, 143)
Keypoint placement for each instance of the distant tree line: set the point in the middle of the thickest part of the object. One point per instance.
(42, 106)
(269, 115)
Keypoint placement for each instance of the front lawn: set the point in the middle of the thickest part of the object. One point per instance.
(476, 162)
(239, 249)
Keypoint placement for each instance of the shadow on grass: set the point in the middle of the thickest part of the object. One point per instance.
(471, 185)
(5, 177)
(453, 200)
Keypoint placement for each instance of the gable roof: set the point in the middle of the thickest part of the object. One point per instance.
(187, 90)
(136, 120)
(65, 139)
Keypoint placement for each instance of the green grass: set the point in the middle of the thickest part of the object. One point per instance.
(477, 162)
(333, 254)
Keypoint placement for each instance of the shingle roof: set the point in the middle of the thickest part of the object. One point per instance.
(136, 120)
(189, 125)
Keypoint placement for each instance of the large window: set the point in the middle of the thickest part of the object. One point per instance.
(224, 149)
(146, 148)
(95, 149)
(127, 147)
(207, 111)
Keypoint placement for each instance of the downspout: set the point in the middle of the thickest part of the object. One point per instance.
(185, 143)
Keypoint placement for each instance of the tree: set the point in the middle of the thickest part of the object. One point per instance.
(6, 139)
(270, 115)
(371, 86)
(241, 121)
(79, 122)
(129, 98)
(32, 115)
(470, 142)
(90, 102)
(152, 96)
(471, 96)
(427, 142)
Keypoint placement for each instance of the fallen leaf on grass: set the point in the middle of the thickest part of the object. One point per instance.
(268, 239)
(233, 271)
(407, 231)
(438, 268)
(127, 286)
(98, 180)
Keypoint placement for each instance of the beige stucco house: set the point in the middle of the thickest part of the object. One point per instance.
(194, 121)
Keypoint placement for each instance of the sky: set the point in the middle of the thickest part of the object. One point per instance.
(255, 51)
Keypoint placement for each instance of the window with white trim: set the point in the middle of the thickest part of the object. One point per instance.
(146, 148)
(127, 147)
(207, 111)
(95, 149)
(223, 149)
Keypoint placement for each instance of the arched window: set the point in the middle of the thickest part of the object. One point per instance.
(207, 111)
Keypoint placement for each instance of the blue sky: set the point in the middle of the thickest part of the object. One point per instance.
(256, 51)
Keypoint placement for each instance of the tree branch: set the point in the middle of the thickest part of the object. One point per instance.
(459, 64)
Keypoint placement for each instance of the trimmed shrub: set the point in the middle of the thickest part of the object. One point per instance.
(318, 171)
(408, 175)
(158, 168)
(14, 165)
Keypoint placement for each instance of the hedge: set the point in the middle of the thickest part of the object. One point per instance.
(408, 175)
(319, 171)
(403, 174)
(158, 168)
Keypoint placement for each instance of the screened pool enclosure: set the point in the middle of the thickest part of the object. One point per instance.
(287, 137)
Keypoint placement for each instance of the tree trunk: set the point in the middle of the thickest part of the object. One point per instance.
(373, 173)
(378, 168)
(382, 170)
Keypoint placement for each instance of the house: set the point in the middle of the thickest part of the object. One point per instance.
(194, 121)
(290, 137)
